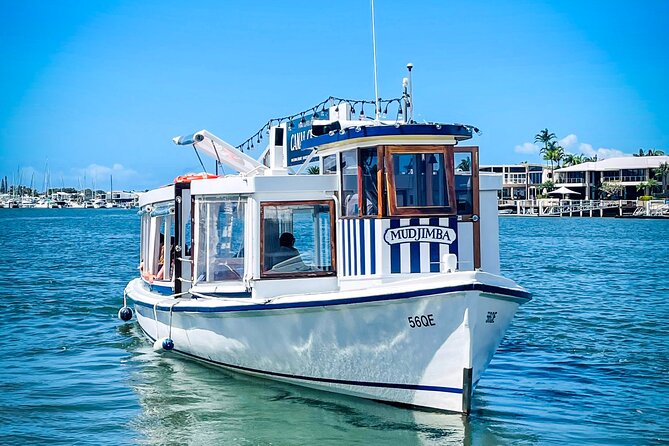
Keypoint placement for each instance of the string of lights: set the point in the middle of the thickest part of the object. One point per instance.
(316, 111)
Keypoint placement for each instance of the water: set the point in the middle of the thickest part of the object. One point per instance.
(586, 362)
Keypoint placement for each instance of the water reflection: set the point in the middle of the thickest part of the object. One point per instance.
(186, 402)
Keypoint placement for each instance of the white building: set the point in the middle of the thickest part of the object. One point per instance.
(629, 171)
(519, 181)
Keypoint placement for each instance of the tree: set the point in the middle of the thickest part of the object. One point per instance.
(546, 186)
(557, 152)
(553, 152)
(571, 160)
(650, 152)
(662, 173)
(648, 186)
(544, 137)
(611, 188)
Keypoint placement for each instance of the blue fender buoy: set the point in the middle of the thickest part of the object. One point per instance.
(125, 314)
(168, 344)
(163, 344)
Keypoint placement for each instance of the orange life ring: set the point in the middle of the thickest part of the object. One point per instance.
(187, 178)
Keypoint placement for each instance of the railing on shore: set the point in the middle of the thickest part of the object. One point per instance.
(555, 207)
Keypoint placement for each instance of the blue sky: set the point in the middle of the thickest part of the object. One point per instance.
(96, 88)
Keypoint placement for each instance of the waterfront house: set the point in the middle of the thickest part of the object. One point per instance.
(519, 181)
(629, 172)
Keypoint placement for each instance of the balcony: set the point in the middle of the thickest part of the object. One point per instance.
(630, 179)
(560, 180)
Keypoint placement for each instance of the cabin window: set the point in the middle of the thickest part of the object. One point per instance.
(157, 250)
(330, 165)
(369, 168)
(420, 181)
(360, 192)
(464, 190)
(220, 238)
(349, 184)
(465, 160)
(297, 239)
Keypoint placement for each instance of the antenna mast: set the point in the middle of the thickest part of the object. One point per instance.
(376, 85)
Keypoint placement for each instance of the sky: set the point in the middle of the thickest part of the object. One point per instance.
(96, 90)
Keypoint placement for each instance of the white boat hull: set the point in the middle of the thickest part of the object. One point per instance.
(357, 344)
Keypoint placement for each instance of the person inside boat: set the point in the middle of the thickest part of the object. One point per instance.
(287, 258)
(160, 275)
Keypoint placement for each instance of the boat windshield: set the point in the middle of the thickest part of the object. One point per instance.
(219, 239)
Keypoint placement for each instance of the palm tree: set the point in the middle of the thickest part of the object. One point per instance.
(548, 156)
(650, 152)
(557, 152)
(544, 137)
(662, 172)
(571, 160)
(648, 186)
(553, 152)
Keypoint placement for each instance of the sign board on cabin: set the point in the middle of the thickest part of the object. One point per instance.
(296, 133)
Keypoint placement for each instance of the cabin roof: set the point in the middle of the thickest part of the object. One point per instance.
(391, 134)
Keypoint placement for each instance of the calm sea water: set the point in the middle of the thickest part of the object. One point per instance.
(586, 362)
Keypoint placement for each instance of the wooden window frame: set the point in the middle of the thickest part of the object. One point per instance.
(289, 275)
(380, 184)
(476, 211)
(474, 152)
(416, 211)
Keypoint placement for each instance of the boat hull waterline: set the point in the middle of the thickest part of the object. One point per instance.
(407, 347)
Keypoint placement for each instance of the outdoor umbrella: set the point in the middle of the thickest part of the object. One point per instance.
(563, 191)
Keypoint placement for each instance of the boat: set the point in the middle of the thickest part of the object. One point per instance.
(356, 255)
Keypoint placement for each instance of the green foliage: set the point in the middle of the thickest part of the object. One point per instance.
(544, 188)
(650, 152)
(611, 188)
(648, 186)
(313, 170)
(571, 160)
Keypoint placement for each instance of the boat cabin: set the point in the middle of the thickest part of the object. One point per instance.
(334, 205)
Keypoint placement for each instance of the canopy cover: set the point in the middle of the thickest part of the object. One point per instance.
(221, 151)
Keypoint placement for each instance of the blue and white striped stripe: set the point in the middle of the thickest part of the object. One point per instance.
(364, 252)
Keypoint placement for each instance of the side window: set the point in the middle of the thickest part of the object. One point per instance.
(463, 183)
(330, 165)
(297, 239)
(349, 181)
(369, 168)
(220, 239)
(156, 248)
